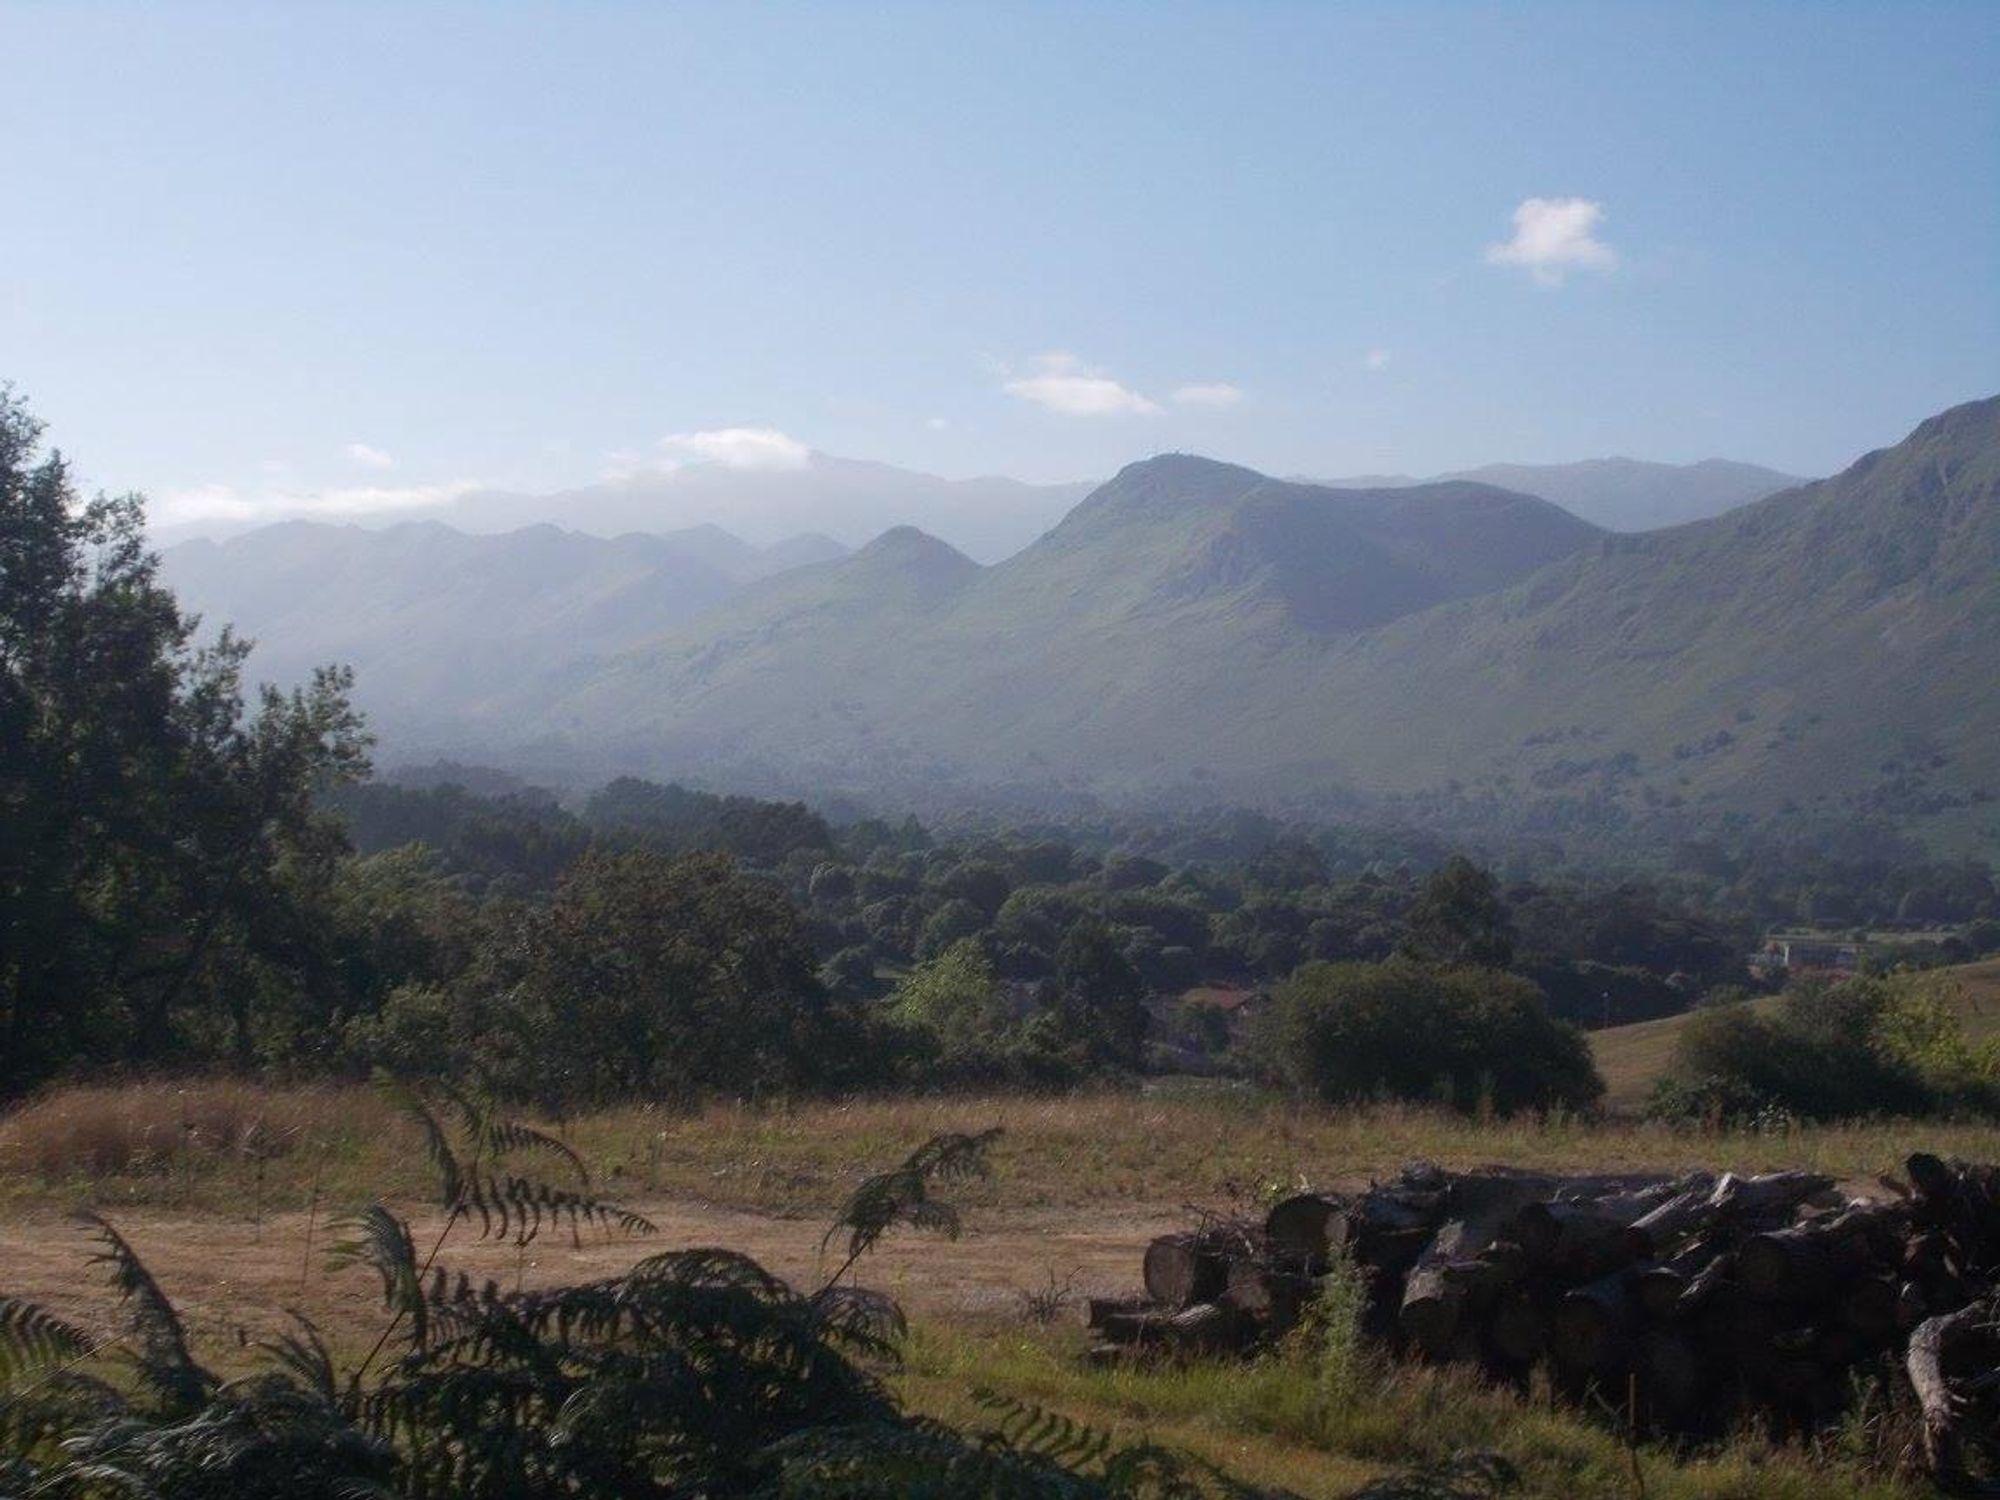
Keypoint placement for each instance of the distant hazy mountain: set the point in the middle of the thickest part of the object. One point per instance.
(1834, 644)
(1622, 494)
(842, 497)
(428, 615)
(1098, 650)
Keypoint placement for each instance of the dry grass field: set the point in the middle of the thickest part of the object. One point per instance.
(228, 1190)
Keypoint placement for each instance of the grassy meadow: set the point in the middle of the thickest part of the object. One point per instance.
(228, 1189)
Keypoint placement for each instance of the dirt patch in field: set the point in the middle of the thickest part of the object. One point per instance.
(233, 1279)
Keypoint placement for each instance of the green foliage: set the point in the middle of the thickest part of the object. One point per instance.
(1863, 1046)
(1459, 918)
(162, 859)
(1101, 1000)
(1462, 1036)
(644, 975)
(903, 1195)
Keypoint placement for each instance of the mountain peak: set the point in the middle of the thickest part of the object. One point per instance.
(909, 549)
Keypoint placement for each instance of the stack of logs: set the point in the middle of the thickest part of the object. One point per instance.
(1687, 1303)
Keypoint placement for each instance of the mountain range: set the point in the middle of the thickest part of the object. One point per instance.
(1621, 494)
(1196, 625)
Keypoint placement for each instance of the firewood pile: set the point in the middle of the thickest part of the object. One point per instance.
(1686, 1302)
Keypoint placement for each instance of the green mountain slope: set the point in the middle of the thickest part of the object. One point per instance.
(1832, 646)
(1072, 656)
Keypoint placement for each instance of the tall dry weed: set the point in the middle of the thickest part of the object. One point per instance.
(160, 1127)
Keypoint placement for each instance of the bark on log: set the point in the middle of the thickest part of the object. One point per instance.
(1183, 1269)
(1305, 1230)
(1810, 1262)
(1593, 1324)
(1518, 1332)
(1436, 1291)
(1097, 1310)
(1930, 1345)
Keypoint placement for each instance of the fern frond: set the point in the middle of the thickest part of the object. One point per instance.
(305, 1357)
(504, 1136)
(163, 1358)
(437, 1142)
(1464, 1476)
(377, 1238)
(902, 1194)
(954, 1154)
(521, 1207)
(31, 1336)
(865, 1321)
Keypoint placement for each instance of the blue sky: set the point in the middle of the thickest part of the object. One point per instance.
(385, 250)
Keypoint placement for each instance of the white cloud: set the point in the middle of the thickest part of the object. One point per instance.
(1553, 236)
(1375, 359)
(1062, 383)
(737, 448)
(369, 457)
(936, 424)
(1215, 393)
(221, 502)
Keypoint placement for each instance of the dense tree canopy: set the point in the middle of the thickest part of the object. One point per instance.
(161, 848)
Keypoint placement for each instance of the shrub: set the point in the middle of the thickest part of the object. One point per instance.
(1864, 1046)
(1353, 1031)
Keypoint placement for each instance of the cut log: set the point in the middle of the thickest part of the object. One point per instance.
(1593, 1325)
(1097, 1310)
(1143, 1325)
(1436, 1291)
(1518, 1332)
(1577, 1241)
(1772, 1197)
(1663, 1288)
(1931, 1344)
(1182, 1269)
(1206, 1328)
(1263, 1291)
(1654, 1232)
(1305, 1230)
(1673, 1381)
(1659, 1290)
(1868, 1309)
(1810, 1262)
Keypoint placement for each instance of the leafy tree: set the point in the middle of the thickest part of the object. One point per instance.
(1862, 1046)
(1101, 999)
(669, 978)
(1406, 1030)
(160, 846)
(956, 998)
(1460, 919)
(951, 923)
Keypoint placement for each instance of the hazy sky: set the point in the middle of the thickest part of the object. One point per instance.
(381, 251)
